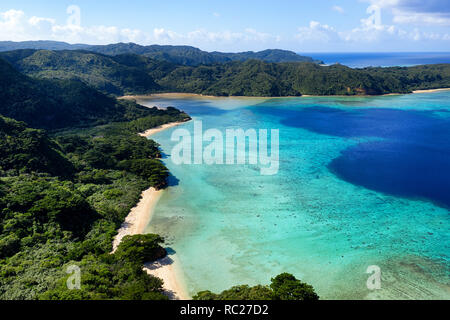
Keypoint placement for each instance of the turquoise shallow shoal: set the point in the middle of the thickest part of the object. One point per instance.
(230, 225)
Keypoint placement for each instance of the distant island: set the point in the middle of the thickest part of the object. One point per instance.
(129, 69)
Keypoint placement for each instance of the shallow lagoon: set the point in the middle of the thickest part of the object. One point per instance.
(363, 181)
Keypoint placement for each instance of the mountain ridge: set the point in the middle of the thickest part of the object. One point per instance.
(128, 74)
(180, 54)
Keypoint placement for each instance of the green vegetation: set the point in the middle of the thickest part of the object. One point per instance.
(55, 104)
(257, 78)
(141, 249)
(64, 193)
(51, 218)
(96, 70)
(184, 55)
(283, 287)
(115, 276)
(190, 56)
(62, 200)
(26, 150)
(132, 73)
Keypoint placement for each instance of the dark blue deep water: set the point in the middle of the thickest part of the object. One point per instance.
(362, 181)
(407, 152)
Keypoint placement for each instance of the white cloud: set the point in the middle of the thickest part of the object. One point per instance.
(163, 35)
(14, 25)
(338, 9)
(403, 17)
(17, 26)
(372, 30)
(367, 32)
(417, 12)
(316, 32)
(36, 21)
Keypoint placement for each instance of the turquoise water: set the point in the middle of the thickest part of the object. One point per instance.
(323, 217)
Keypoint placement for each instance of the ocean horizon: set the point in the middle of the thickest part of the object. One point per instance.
(380, 59)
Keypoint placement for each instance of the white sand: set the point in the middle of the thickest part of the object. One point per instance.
(431, 90)
(199, 96)
(136, 222)
(139, 217)
(168, 269)
(153, 131)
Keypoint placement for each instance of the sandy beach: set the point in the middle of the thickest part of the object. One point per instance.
(153, 131)
(167, 95)
(136, 222)
(139, 217)
(168, 269)
(176, 95)
(431, 90)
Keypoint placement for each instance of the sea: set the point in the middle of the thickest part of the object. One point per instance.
(363, 185)
(383, 59)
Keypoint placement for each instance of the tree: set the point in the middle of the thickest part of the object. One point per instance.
(140, 249)
(283, 287)
(286, 287)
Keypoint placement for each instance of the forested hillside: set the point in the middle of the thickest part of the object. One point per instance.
(190, 56)
(256, 78)
(137, 74)
(96, 70)
(64, 194)
(63, 197)
(53, 104)
(184, 55)
(61, 201)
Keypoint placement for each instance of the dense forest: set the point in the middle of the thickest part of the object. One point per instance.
(64, 193)
(53, 104)
(183, 55)
(130, 73)
(62, 199)
(283, 287)
(63, 196)
(98, 71)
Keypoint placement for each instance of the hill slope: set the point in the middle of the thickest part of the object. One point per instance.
(185, 55)
(25, 150)
(53, 104)
(96, 70)
(257, 78)
(134, 74)
(40, 45)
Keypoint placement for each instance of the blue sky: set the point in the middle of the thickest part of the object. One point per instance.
(302, 26)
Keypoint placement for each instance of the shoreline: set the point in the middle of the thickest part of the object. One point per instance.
(163, 127)
(168, 269)
(431, 90)
(139, 216)
(180, 95)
